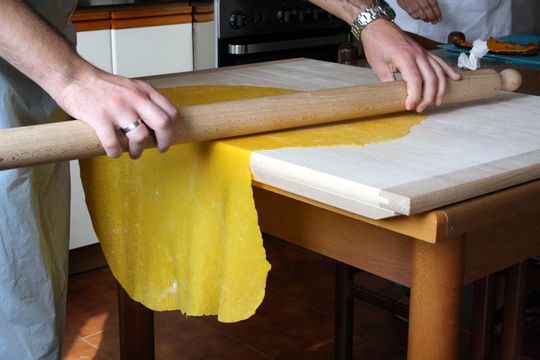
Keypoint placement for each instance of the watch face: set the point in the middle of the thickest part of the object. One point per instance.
(387, 9)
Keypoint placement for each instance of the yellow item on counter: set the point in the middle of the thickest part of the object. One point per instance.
(179, 230)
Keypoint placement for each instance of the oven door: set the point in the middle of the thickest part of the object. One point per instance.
(238, 51)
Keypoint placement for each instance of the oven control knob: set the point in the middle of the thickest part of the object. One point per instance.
(294, 16)
(284, 16)
(237, 20)
(316, 14)
(301, 16)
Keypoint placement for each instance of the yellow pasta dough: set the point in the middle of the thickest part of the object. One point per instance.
(179, 230)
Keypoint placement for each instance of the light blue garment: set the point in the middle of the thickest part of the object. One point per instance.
(34, 220)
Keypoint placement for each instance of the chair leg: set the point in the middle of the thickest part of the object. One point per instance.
(136, 327)
(483, 308)
(514, 312)
(343, 331)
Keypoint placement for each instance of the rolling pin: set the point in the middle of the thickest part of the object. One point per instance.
(68, 140)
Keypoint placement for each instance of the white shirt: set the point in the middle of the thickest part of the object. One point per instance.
(477, 19)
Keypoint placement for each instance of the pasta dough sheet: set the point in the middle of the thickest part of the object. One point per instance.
(179, 230)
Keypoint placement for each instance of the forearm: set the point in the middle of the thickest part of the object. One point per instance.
(35, 49)
(346, 10)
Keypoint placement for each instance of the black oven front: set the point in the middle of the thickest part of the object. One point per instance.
(253, 31)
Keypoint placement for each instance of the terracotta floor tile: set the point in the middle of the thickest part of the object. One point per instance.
(313, 339)
(91, 303)
(277, 312)
(371, 323)
(312, 284)
(286, 258)
(106, 343)
(294, 321)
(84, 320)
(77, 349)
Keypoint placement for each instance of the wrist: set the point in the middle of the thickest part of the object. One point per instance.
(77, 71)
(378, 10)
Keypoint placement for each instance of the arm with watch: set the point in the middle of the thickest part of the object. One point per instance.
(389, 50)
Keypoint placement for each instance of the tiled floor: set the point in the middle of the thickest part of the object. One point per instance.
(295, 320)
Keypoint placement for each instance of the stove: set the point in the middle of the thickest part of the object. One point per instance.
(252, 31)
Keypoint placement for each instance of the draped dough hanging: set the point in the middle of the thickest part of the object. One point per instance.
(179, 230)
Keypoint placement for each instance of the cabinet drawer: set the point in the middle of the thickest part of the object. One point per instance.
(153, 50)
(95, 47)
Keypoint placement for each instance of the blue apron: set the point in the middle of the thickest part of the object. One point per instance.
(34, 219)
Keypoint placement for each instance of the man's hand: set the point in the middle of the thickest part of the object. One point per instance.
(425, 10)
(388, 49)
(106, 102)
(109, 103)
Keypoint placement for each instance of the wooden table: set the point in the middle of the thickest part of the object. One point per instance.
(434, 253)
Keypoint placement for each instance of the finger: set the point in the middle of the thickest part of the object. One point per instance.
(448, 70)
(428, 11)
(158, 121)
(137, 137)
(441, 89)
(419, 11)
(430, 83)
(413, 78)
(109, 139)
(436, 9)
(161, 101)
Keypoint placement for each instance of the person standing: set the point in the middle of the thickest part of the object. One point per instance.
(435, 19)
(39, 69)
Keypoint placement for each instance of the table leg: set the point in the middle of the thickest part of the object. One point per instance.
(343, 327)
(484, 306)
(136, 327)
(436, 297)
(514, 312)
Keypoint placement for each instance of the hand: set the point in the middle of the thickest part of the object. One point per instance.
(109, 103)
(388, 50)
(425, 10)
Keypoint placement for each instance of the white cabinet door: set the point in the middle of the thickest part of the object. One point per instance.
(152, 50)
(95, 47)
(81, 230)
(204, 45)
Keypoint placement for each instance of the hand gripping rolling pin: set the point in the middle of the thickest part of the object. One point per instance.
(68, 140)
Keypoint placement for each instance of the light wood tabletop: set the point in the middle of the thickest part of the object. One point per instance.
(434, 252)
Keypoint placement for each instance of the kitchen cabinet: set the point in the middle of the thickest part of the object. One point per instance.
(135, 41)
(204, 37)
(94, 37)
(151, 41)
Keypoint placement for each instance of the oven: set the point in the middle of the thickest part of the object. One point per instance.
(249, 31)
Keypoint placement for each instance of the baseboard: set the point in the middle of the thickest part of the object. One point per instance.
(86, 258)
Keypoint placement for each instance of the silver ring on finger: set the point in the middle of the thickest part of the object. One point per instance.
(131, 126)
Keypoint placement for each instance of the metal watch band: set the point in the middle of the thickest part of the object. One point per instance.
(379, 9)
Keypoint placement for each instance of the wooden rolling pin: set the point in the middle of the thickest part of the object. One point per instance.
(33, 145)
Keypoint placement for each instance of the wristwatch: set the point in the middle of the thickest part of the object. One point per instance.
(379, 9)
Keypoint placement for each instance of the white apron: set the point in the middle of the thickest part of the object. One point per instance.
(34, 220)
(477, 19)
